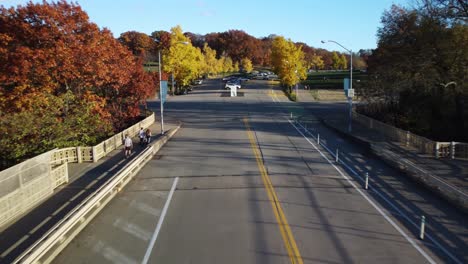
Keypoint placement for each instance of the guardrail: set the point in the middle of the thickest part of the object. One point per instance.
(453, 150)
(57, 238)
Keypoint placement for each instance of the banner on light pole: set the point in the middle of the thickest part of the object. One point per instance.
(346, 84)
(163, 91)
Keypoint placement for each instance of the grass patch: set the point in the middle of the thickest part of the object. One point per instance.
(331, 79)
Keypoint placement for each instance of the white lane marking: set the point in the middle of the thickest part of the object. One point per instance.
(61, 208)
(14, 246)
(91, 184)
(132, 229)
(428, 258)
(40, 225)
(145, 208)
(77, 195)
(160, 222)
(415, 225)
(112, 254)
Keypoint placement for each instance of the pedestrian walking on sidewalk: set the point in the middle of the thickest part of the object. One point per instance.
(148, 135)
(128, 145)
(141, 135)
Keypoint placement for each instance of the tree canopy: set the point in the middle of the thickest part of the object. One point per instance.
(288, 61)
(69, 81)
(418, 72)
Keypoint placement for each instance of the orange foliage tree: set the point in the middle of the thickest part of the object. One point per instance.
(58, 66)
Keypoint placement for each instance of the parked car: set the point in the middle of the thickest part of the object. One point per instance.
(198, 81)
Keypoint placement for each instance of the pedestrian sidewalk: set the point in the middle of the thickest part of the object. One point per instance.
(447, 177)
(84, 179)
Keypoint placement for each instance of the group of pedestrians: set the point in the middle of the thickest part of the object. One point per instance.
(145, 138)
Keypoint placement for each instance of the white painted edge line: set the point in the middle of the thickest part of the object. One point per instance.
(428, 258)
(160, 222)
(415, 225)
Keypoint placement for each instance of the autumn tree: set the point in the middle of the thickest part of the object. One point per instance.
(246, 65)
(343, 62)
(140, 44)
(182, 59)
(211, 64)
(336, 61)
(162, 40)
(288, 61)
(58, 67)
(226, 64)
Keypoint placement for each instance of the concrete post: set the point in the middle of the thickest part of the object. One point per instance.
(94, 154)
(421, 230)
(407, 138)
(318, 139)
(452, 150)
(437, 150)
(78, 154)
(336, 156)
(366, 186)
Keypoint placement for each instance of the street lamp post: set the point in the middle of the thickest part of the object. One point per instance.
(350, 98)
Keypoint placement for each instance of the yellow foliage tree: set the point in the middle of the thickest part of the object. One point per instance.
(226, 63)
(182, 59)
(247, 65)
(288, 61)
(316, 62)
(211, 65)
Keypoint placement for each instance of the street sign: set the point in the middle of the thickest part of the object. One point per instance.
(163, 91)
(350, 93)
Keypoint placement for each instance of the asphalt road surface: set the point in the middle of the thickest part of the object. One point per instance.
(250, 186)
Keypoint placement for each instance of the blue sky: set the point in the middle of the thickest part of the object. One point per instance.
(353, 23)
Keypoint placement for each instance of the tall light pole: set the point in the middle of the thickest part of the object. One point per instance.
(350, 98)
(161, 103)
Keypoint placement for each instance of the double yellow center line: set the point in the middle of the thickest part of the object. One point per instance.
(285, 230)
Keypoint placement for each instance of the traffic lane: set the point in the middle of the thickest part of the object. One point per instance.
(218, 213)
(330, 220)
(446, 224)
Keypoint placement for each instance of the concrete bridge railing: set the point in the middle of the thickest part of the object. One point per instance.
(453, 150)
(27, 184)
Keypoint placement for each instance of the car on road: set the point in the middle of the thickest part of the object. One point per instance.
(232, 83)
